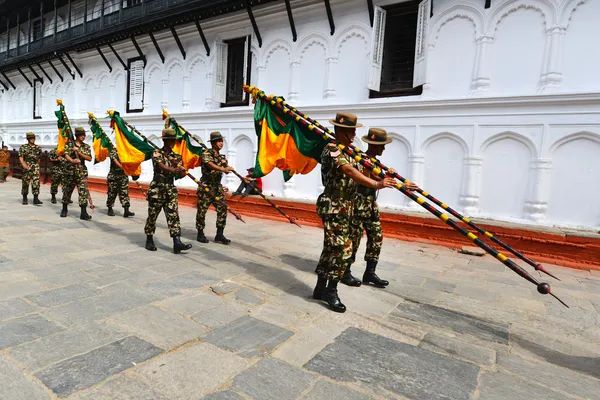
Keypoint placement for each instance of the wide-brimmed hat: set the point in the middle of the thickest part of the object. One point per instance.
(346, 120)
(215, 136)
(168, 134)
(30, 135)
(376, 136)
(79, 131)
(251, 169)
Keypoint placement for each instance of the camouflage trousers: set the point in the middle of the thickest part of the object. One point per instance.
(374, 237)
(32, 175)
(4, 173)
(163, 196)
(337, 246)
(56, 179)
(70, 179)
(205, 200)
(118, 184)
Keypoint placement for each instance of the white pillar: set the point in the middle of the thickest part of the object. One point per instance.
(289, 188)
(332, 63)
(480, 84)
(147, 96)
(537, 203)
(231, 178)
(112, 97)
(186, 93)
(165, 93)
(551, 78)
(417, 170)
(293, 95)
(208, 102)
(260, 76)
(472, 187)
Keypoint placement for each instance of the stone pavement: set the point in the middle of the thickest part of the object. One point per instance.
(87, 313)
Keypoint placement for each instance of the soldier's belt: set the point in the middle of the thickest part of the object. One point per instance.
(163, 179)
(339, 194)
(365, 190)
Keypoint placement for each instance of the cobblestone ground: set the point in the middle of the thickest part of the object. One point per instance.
(87, 313)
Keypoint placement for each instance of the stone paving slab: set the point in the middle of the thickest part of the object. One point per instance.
(56, 297)
(497, 386)
(15, 385)
(121, 388)
(326, 390)
(22, 330)
(15, 308)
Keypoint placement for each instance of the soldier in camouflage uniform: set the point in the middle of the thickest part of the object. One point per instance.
(366, 216)
(214, 165)
(162, 193)
(340, 175)
(29, 156)
(58, 165)
(76, 173)
(118, 184)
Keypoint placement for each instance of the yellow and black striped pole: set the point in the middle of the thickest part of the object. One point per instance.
(543, 288)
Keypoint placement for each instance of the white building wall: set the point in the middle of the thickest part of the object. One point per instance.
(507, 127)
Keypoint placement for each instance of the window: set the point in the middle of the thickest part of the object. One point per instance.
(232, 72)
(36, 30)
(37, 98)
(135, 88)
(398, 56)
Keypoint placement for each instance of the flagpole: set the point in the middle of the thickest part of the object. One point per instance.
(246, 181)
(94, 119)
(200, 184)
(543, 288)
(72, 140)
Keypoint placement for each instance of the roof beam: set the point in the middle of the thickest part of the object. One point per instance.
(4, 85)
(181, 49)
(75, 65)
(34, 73)
(9, 81)
(56, 71)
(253, 22)
(206, 46)
(137, 47)
(158, 50)
(44, 72)
(104, 58)
(488, 3)
(330, 17)
(66, 66)
(118, 56)
(25, 77)
(288, 7)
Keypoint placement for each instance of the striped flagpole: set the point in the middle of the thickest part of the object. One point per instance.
(276, 103)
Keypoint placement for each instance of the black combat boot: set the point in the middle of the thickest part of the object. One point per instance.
(178, 246)
(330, 295)
(201, 238)
(220, 238)
(320, 288)
(53, 201)
(36, 200)
(110, 212)
(150, 243)
(63, 212)
(84, 215)
(24, 199)
(127, 213)
(349, 280)
(371, 277)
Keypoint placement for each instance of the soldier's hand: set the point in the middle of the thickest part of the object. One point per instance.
(225, 189)
(410, 186)
(77, 161)
(228, 169)
(391, 172)
(386, 183)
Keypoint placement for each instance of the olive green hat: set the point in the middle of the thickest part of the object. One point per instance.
(215, 136)
(79, 131)
(168, 134)
(30, 135)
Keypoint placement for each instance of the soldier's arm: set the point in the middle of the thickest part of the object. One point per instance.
(71, 160)
(360, 178)
(215, 167)
(85, 154)
(23, 163)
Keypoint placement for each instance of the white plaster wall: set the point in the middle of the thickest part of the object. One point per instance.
(508, 126)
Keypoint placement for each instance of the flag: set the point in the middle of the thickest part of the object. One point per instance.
(102, 144)
(190, 153)
(284, 144)
(64, 130)
(131, 149)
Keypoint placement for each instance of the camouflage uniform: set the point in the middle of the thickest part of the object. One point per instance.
(162, 194)
(212, 179)
(58, 167)
(76, 175)
(31, 155)
(335, 207)
(366, 218)
(118, 182)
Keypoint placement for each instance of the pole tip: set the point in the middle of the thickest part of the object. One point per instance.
(543, 288)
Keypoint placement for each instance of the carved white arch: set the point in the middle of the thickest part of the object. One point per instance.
(447, 135)
(312, 39)
(192, 62)
(118, 75)
(463, 11)
(171, 64)
(102, 79)
(568, 10)
(55, 139)
(593, 136)
(507, 7)
(46, 139)
(152, 69)
(274, 46)
(533, 151)
(86, 84)
(400, 138)
(241, 137)
(354, 30)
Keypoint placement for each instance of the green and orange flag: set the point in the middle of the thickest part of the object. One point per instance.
(284, 144)
(64, 130)
(102, 144)
(190, 153)
(132, 150)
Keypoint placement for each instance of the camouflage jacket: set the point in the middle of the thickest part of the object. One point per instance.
(172, 160)
(30, 154)
(57, 161)
(84, 149)
(210, 176)
(365, 203)
(340, 189)
(114, 168)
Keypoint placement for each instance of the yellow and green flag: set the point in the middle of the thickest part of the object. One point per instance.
(102, 144)
(64, 130)
(190, 153)
(132, 150)
(284, 144)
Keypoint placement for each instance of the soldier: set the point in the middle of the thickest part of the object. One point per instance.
(29, 156)
(366, 216)
(214, 165)
(118, 183)
(340, 175)
(58, 165)
(4, 163)
(162, 193)
(76, 173)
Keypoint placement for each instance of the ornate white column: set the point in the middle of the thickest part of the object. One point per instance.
(260, 76)
(165, 93)
(469, 199)
(480, 84)
(537, 203)
(293, 95)
(416, 161)
(186, 93)
(208, 102)
(112, 97)
(289, 188)
(231, 178)
(551, 78)
(97, 94)
(332, 64)
(146, 97)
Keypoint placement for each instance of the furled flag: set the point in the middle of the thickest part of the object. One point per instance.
(64, 130)
(190, 153)
(284, 144)
(102, 144)
(132, 150)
